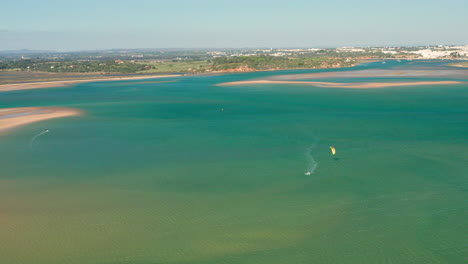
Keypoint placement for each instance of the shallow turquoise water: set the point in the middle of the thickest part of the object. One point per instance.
(156, 173)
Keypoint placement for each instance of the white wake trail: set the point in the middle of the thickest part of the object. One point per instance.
(311, 163)
(36, 136)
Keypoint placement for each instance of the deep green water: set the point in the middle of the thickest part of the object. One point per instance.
(156, 173)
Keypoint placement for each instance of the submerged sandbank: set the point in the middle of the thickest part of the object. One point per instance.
(37, 85)
(371, 73)
(342, 85)
(14, 117)
(460, 65)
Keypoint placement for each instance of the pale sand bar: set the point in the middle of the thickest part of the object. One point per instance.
(37, 85)
(374, 73)
(14, 117)
(343, 85)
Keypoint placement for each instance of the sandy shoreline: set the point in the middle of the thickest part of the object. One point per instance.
(37, 85)
(342, 85)
(14, 117)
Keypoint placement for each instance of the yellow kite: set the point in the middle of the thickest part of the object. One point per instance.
(333, 150)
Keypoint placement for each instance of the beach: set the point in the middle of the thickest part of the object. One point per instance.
(343, 85)
(14, 117)
(62, 83)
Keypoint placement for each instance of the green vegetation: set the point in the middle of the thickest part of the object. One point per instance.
(193, 61)
(112, 66)
(248, 63)
(109, 66)
(176, 66)
(140, 61)
(272, 63)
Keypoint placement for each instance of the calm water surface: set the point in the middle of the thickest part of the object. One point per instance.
(155, 172)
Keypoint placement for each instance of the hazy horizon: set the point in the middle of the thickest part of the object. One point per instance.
(87, 25)
(143, 49)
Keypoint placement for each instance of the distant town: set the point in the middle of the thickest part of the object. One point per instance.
(425, 52)
(194, 61)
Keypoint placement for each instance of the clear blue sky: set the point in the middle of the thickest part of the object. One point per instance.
(105, 24)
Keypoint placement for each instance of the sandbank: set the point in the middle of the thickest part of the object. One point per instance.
(342, 85)
(374, 73)
(460, 65)
(14, 117)
(37, 85)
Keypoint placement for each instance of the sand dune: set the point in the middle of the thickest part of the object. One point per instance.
(342, 85)
(14, 117)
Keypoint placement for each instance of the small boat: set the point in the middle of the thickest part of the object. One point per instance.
(308, 173)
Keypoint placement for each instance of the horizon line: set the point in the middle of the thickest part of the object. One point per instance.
(228, 48)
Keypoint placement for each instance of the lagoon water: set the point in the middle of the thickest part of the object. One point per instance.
(155, 172)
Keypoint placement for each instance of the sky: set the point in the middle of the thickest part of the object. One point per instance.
(66, 25)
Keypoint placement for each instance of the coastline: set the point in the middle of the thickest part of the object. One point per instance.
(14, 117)
(67, 82)
(342, 85)
(50, 84)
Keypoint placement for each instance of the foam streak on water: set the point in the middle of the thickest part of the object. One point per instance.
(36, 136)
(312, 164)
